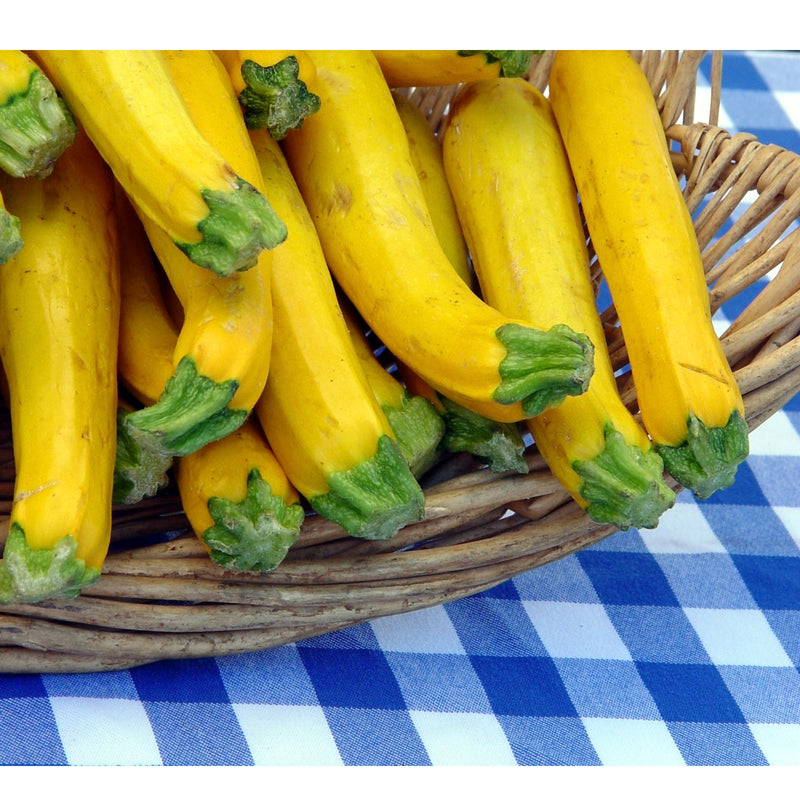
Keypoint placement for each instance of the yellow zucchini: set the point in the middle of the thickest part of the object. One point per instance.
(417, 425)
(648, 252)
(446, 67)
(426, 155)
(222, 355)
(35, 124)
(272, 86)
(133, 112)
(59, 309)
(239, 501)
(516, 198)
(498, 444)
(352, 163)
(147, 339)
(318, 410)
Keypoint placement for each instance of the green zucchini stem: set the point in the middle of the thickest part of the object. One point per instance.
(497, 444)
(254, 534)
(36, 127)
(10, 237)
(374, 499)
(418, 429)
(709, 457)
(541, 368)
(275, 98)
(29, 575)
(513, 63)
(240, 224)
(191, 412)
(624, 485)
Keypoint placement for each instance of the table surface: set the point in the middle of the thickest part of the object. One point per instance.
(668, 647)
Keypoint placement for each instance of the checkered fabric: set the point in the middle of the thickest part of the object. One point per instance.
(678, 646)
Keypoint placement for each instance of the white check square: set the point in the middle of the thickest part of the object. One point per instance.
(105, 732)
(738, 636)
(576, 630)
(428, 630)
(287, 735)
(633, 743)
(780, 744)
(463, 740)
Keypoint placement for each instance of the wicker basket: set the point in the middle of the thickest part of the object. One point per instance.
(160, 597)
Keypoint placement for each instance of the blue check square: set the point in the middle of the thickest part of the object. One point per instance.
(352, 678)
(627, 578)
(529, 686)
(689, 692)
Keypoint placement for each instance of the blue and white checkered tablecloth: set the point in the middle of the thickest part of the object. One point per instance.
(678, 646)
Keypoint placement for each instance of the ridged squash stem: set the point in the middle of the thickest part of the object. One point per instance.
(10, 236)
(647, 248)
(192, 410)
(272, 87)
(709, 457)
(517, 201)
(139, 471)
(239, 501)
(35, 124)
(352, 163)
(59, 322)
(418, 427)
(449, 67)
(318, 411)
(499, 445)
(375, 498)
(133, 112)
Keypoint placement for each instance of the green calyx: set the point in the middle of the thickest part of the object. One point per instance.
(418, 430)
(374, 499)
(497, 444)
(624, 485)
(275, 98)
(30, 576)
(191, 412)
(138, 472)
(542, 368)
(240, 224)
(709, 457)
(513, 63)
(36, 127)
(254, 534)
(10, 237)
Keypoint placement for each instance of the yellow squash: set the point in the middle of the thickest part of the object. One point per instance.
(222, 355)
(426, 154)
(239, 501)
(35, 124)
(643, 235)
(59, 308)
(516, 198)
(147, 339)
(446, 67)
(416, 423)
(318, 410)
(130, 107)
(498, 444)
(352, 163)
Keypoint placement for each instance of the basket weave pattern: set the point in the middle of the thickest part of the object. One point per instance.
(161, 597)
